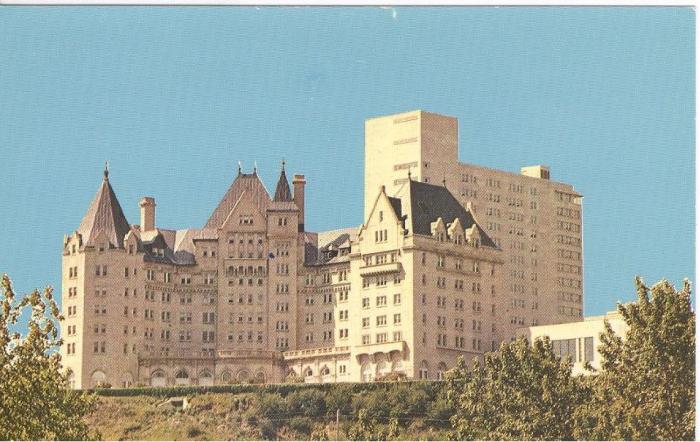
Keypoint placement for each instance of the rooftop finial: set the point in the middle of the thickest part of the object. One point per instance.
(106, 172)
(444, 181)
(255, 167)
(239, 168)
(283, 163)
(409, 174)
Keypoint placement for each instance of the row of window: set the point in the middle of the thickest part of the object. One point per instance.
(381, 320)
(381, 301)
(379, 281)
(381, 338)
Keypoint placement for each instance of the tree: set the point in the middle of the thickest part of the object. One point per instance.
(35, 402)
(646, 386)
(521, 392)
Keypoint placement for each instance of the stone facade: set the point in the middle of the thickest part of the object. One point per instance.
(579, 340)
(537, 222)
(253, 297)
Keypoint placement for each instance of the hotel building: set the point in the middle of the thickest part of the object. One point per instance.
(450, 260)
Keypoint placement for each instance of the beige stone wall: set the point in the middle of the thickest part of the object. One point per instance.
(536, 222)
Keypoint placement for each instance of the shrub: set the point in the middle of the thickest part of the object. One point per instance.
(193, 431)
(301, 425)
(308, 402)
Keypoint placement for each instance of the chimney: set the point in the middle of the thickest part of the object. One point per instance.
(299, 182)
(538, 171)
(148, 213)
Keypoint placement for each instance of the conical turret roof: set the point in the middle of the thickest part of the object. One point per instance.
(105, 215)
(282, 192)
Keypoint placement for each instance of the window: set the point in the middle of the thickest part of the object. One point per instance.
(397, 299)
(397, 318)
(588, 349)
(381, 338)
(365, 302)
(381, 301)
(365, 322)
(381, 320)
(365, 339)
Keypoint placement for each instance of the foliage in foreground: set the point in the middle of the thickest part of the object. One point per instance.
(519, 392)
(644, 390)
(34, 401)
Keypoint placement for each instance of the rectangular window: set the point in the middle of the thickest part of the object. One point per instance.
(589, 350)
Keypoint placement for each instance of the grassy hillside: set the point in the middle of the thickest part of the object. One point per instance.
(405, 410)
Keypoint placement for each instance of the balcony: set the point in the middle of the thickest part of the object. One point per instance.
(385, 347)
(389, 267)
(315, 352)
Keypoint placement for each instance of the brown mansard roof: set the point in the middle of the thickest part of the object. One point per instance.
(430, 202)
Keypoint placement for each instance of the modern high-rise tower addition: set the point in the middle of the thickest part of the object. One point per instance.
(534, 220)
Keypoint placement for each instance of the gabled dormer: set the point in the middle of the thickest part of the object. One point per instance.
(385, 223)
(455, 232)
(131, 243)
(438, 230)
(245, 215)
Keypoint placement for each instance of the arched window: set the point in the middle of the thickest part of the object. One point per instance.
(260, 377)
(158, 378)
(397, 363)
(226, 377)
(423, 371)
(308, 372)
(442, 368)
(243, 376)
(98, 378)
(366, 371)
(383, 367)
(325, 371)
(182, 377)
(205, 378)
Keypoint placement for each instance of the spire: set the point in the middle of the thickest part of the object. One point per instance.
(239, 168)
(105, 215)
(282, 192)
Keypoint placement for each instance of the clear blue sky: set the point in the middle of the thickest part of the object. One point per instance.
(175, 97)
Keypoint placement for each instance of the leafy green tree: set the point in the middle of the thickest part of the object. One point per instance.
(521, 392)
(364, 428)
(35, 402)
(646, 386)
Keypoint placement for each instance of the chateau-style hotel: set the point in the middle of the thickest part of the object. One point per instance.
(451, 260)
